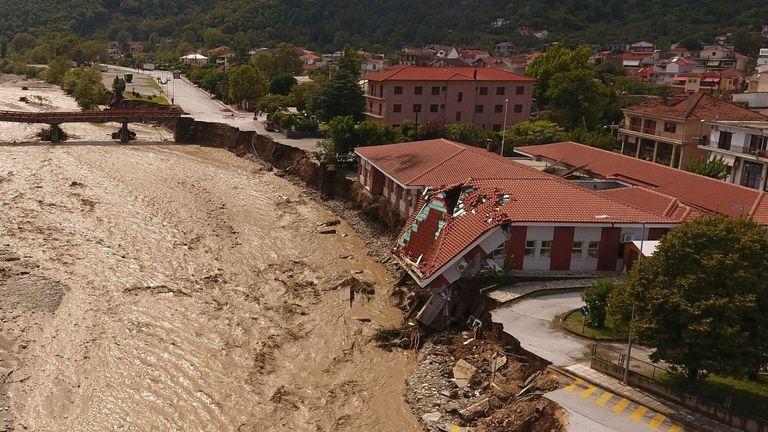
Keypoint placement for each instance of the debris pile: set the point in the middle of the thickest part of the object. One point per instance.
(480, 382)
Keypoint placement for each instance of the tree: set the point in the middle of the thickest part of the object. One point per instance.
(22, 43)
(273, 103)
(284, 59)
(246, 83)
(557, 59)
(746, 42)
(84, 84)
(213, 37)
(534, 132)
(302, 94)
(57, 68)
(470, 134)
(282, 84)
(118, 88)
(596, 298)
(701, 300)
(90, 52)
(603, 139)
(578, 99)
(340, 96)
(714, 167)
(344, 135)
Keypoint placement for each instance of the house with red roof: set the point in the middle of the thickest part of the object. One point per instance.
(487, 97)
(469, 208)
(668, 130)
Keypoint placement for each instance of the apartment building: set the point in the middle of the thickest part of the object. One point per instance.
(444, 95)
(668, 131)
(744, 147)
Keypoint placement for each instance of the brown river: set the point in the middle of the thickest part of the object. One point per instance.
(156, 287)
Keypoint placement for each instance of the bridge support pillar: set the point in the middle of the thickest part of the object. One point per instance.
(124, 134)
(56, 133)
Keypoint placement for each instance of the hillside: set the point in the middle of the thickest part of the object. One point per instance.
(386, 24)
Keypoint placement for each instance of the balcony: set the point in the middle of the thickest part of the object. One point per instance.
(727, 147)
(374, 113)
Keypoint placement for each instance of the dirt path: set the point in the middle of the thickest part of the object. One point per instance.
(198, 295)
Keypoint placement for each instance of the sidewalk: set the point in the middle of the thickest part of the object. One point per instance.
(667, 408)
(514, 292)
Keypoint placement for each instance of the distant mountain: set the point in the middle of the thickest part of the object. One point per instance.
(330, 24)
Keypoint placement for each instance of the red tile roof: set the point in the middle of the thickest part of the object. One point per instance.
(441, 162)
(426, 73)
(702, 193)
(695, 106)
(651, 201)
(439, 232)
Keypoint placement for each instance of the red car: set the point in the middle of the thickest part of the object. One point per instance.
(270, 126)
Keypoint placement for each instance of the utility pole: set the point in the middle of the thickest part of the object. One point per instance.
(632, 317)
(504, 128)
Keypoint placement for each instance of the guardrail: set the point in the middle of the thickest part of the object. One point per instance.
(732, 409)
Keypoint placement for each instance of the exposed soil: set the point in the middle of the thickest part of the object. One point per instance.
(505, 399)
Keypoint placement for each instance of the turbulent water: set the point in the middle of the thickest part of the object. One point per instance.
(199, 295)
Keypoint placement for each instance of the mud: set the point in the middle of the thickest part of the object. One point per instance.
(161, 287)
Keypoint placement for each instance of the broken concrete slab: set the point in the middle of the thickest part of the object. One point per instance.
(462, 373)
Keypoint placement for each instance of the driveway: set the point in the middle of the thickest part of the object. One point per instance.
(530, 321)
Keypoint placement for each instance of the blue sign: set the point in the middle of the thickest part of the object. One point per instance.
(584, 310)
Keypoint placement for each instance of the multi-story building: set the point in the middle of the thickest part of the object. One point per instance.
(744, 147)
(668, 130)
(481, 96)
(416, 57)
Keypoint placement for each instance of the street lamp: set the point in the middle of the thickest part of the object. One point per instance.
(504, 128)
(632, 317)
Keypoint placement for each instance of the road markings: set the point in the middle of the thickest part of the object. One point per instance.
(623, 406)
(602, 400)
(639, 413)
(619, 407)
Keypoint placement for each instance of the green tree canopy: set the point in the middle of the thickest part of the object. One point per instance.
(284, 59)
(282, 84)
(534, 132)
(596, 297)
(57, 68)
(579, 99)
(84, 84)
(118, 88)
(341, 95)
(246, 83)
(701, 300)
(557, 59)
(714, 167)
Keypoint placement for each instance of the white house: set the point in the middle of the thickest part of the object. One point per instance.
(744, 147)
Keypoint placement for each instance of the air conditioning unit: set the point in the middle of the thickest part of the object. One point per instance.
(626, 238)
(461, 266)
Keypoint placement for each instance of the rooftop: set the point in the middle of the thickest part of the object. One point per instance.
(441, 162)
(702, 194)
(696, 106)
(426, 73)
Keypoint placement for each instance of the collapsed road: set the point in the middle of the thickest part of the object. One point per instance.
(191, 290)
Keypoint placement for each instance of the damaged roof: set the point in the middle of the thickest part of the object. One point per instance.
(441, 162)
(450, 220)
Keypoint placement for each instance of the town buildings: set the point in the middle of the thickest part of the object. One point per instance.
(195, 59)
(481, 96)
(669, 130)
(744, 147)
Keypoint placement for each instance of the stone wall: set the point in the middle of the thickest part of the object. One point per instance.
(329, 181)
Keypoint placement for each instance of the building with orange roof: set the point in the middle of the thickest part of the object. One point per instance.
(668, 130)
(469, 208)
(487, 97)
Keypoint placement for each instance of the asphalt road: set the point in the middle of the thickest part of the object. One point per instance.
(203, 107)
(530, 321)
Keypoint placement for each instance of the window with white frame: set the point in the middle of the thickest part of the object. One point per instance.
(592, 249)
(546, 249)
(498, 253)
(530, 248)
(576, 249)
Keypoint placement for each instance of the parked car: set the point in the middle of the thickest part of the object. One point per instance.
(270, 126)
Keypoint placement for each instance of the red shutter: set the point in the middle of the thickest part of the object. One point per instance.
(608, 251)
(562, 245)
(515, 247)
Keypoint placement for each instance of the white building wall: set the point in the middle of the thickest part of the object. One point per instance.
(585, 235)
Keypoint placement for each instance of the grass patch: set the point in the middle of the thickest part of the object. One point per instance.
(574, 321)
(160, 100)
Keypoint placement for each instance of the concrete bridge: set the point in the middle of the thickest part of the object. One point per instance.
(56, 118)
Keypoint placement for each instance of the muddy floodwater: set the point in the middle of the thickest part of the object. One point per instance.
(156, 287)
